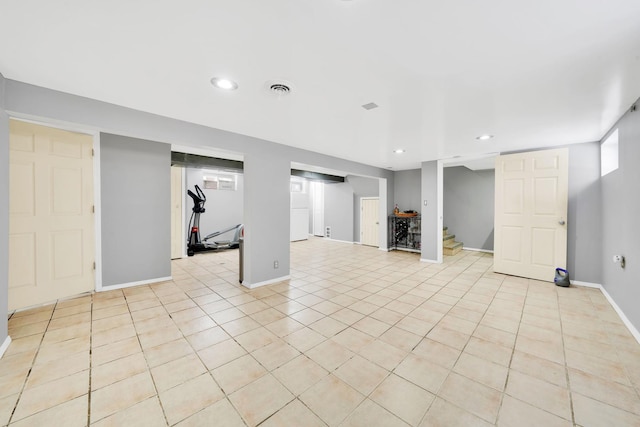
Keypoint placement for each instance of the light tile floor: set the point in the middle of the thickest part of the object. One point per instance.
(357, 337)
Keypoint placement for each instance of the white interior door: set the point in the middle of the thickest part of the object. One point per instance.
(531, 213)
(177, 239)
(317, 207)
(51, 228)
(369, 221)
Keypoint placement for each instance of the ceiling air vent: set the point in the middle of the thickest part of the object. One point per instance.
(278, 87)
(370, 106)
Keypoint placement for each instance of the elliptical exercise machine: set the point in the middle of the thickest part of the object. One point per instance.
(195, 244)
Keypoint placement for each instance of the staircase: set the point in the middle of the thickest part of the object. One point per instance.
(449, 244)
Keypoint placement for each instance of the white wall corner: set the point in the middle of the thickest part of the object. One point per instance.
(5, 346)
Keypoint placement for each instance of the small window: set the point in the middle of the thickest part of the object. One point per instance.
(298, 186)
(227, 182)
(210, 182)
(609, 154)
(220, 182)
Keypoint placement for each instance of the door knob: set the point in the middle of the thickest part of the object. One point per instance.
(561, 222)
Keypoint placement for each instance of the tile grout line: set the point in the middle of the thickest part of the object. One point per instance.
(24, 386)
(566, 366)
(157, 395)
(90, 363)
(226, 396)
(513, 351)
(451, 371)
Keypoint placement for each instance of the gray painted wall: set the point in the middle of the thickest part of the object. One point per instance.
(429, 192)
(362, 187)
(136, 209)
(223, 208)
(406, 189)
(584, 230)
(267, 194)
(4, 216)
(338, 210)
(269, 235)
(469, 206)
(620, 221)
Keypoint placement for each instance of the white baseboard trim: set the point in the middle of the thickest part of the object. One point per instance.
(5, 346)
(623, 317)
(339, 241)
(430, 261)
(486, 251)
(382, 249)
(586, 284)
(132, 284)
(616, 307)
(266, 282)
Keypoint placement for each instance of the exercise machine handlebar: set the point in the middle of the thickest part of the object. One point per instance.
(198, 199)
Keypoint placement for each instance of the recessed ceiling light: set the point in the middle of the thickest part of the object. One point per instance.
(370, 106)
(398, 151)
(484, 137)
(225, 84)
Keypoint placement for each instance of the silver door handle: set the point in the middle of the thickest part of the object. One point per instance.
(561, 222)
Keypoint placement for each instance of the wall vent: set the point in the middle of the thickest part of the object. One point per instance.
(327, 232)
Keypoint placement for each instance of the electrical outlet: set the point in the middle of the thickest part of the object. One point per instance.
(275, 264)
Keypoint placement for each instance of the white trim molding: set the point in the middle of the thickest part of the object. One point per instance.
(430, 261)
(132, 284)
(97, 204)
(344, 241)
(623, 317)
(486, 251)
(586, 284)
(5, 346)
(266, 282)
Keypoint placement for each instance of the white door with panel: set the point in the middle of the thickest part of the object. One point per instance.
(369, 221)
(531, 197)
(177, 226)
(51, 224)
(317, 208)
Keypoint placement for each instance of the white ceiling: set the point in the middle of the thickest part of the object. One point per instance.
(532, 73)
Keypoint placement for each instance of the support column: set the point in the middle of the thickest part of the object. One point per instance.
(267, 193)
(432, 188)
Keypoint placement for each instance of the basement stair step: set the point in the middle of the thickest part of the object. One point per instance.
(452, 248)
(449, 244)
